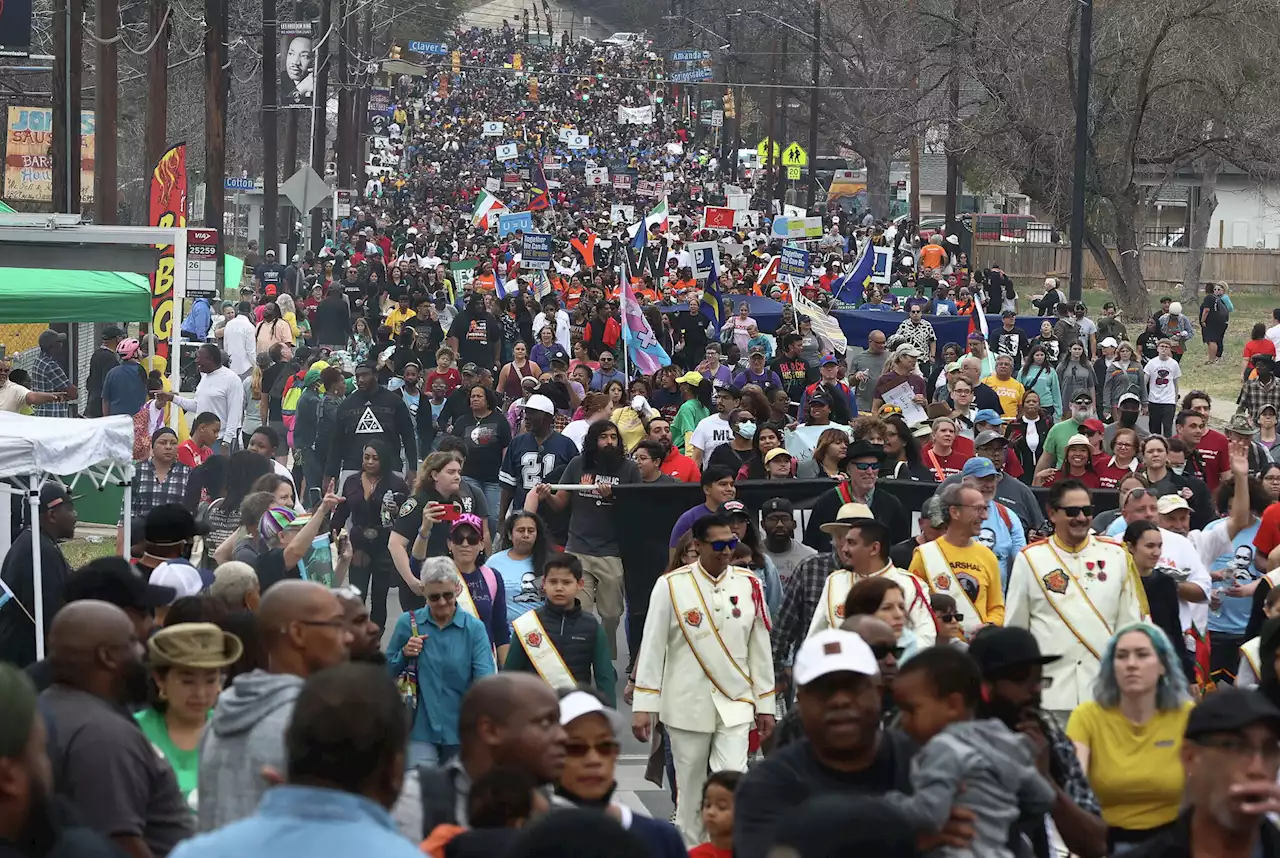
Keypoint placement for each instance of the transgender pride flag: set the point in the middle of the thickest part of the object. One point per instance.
(647, 354)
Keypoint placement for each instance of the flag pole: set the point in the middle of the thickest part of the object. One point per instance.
(626, 350)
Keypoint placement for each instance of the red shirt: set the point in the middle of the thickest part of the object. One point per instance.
(961, 452)
(710, 850)
(1268, 535)
(1090, 478)
(681, 467)
(1214, 454)
(191, 455)
(1109, 473)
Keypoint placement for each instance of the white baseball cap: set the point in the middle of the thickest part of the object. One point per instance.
(830, 651)
(1171, 503)
(576, 704)
(538, 402)
(1109, 343)
(182, 577)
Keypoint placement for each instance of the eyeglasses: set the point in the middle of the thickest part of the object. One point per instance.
(1138, 494)
(1239, 747)
(607, 748)
(464, 539)
(881, 651)
(436, 597)
(951, 618)
(722, 544)
(1074, 511)
(866, 466)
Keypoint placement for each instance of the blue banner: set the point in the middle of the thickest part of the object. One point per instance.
(537, 251)
(510, 223)
(795, 263)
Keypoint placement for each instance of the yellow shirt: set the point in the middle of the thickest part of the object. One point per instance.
(1135, 770)
(630, 426)
(1010, 393)
(977, 571)
(397, 317)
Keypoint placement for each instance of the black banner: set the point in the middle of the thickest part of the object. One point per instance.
(15, 28)
(647, 513)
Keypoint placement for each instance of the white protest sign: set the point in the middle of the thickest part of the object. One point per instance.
(740, 202)
(492, 184)
(823, 324)
(567, 133)
(635, 115)
(597, 176)
(705, 255)
(507, 151)
(578, 141)
(790, 211)
(746, 219)
(622, 214)
(493, 129)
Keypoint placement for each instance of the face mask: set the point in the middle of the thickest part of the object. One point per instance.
(747, 429)
(1178, 469)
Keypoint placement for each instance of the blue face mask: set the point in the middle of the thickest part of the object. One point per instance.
(747, 429)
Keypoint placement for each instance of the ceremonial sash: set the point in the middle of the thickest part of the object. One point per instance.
(1249, 649)
(703, 637)
(840, 582)
(465, 602)
(1066, 595)
(944, 580)
(542, 652)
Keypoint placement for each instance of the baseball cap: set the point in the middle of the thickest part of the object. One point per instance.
(115, 580)
(820, 399)
(998, 648)
(979, 466)
(775, 453)
(576, 704)
(954, 366)
(1241, 425)
(826, 359)
(557, 354)
(776, 504)
(54, 494)
(988, 415)
(756, 350)
(112, 332)
(1128, 397)
(1171, 503)
(986, 437)
(1109, 343)
(1083, 397)
(50, 337)
(470, 368)
(179, 576)
(907, 350)
(691, 377)
(1008, 314)
(170, 523)
(1077, 440)
(1230, 710)
(1093, 424)
(538, 402)
(366, 366)
(833, 651)
(734, 507)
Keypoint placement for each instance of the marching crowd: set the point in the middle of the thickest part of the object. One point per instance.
(934, 600)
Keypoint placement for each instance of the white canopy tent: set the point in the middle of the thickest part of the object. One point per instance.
(36, 449)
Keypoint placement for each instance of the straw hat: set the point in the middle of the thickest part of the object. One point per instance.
(198, 645)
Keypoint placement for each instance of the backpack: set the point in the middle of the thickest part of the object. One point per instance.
(289, 401)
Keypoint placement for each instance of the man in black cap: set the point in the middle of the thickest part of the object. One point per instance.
(57, 522)
(48, 375)
(171, 530)
(370, 413)
(778, 521)
(103, 360)
(33, 822)
(1011, 665)
(1231, 755)
(862, 465)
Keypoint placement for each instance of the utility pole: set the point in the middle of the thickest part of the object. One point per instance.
(814, 99)
(105, 115)
(157, 84)
(343, 33)
(216, 94)
(316, 152)
(67, 64)
(729, 144)
(361, 107)
(1083, 68)
(953, 160)
(270, 155)
(914, 152)
(784, 95)
(772, 137)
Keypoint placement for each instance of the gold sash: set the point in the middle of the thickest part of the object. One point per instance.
(1250, 650)
(835, 603)
(542, 652)
(465, 602)
(944, 580)
(703, 638)
(1072, 600)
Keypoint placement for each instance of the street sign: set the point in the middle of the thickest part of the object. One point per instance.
(305, 189)
(202, 263)
(342, 204)
(762, 149)
(717, 119)
(793, 173)
(429, 48)
(238, 183)
(795, 156)
(688, 56)
(691, 76)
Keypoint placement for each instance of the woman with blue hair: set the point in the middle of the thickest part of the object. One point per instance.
(1128, 738)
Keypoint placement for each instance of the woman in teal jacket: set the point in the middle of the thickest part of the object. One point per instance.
(1038, 375)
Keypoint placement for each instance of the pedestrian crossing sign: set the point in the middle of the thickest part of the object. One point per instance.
(795, 156)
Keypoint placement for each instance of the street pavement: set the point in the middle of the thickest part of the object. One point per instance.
(565, 17)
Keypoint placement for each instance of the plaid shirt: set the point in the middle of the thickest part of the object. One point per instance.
(1255, 394)
(1064, 767)
(47, 376)
(800, 600)
(149, 492)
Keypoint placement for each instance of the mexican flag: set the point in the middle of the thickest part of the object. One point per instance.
(657, 215)
(486, 204)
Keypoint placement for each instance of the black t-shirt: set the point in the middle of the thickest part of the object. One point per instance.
(410, 516)
(1217, 317)
(102, 362)
(477, 334)
(270, 568)
(487, 440)
(728, 457)
(17, 631)
(792, 775)
(794, 373)
(693, 327)
(271, 277)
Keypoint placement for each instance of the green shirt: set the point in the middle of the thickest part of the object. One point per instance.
(185, 763)
(1055, 441)
(687, 419)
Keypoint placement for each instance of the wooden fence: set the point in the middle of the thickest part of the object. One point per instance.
(1246, 270)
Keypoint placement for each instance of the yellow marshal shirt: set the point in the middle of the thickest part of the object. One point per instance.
(978, 573)
(1134, 769)
(1010, 393)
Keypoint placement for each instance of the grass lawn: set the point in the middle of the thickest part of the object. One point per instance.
(81, 550)
(1222, 380)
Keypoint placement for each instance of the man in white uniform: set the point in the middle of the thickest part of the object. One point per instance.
(1072, 591)
(705, 667)
(864, 553)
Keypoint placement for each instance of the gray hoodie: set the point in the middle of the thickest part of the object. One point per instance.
(1000, 782)
(245, 734)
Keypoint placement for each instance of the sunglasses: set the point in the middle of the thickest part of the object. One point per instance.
(866, 466)
(436, 597)
(607, 748)
(464, 539)
(881, 651)
(886, 410)
(1073, 511)
(722, 544)
(951, 618)
(1138, 494)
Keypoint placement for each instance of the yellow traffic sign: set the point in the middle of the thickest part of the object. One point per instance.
(795, 156)
(793, 173)
(762, 149)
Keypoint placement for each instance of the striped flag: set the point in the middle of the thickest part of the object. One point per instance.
(645, 351)
(852, 286)
(486, 204)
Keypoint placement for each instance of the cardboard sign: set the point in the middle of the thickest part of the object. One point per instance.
(508, 224)
(795, 263)
(507, 151)
(716, 217)
(621, 214)
(537, 252)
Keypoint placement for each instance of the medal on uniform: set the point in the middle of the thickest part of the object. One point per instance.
(733, 600)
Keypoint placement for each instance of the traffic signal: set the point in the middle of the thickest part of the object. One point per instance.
(395, 52)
